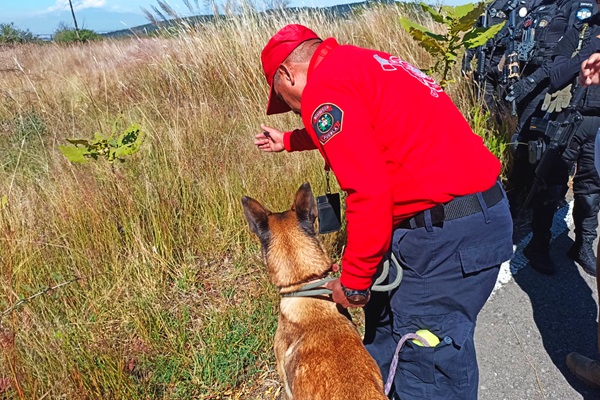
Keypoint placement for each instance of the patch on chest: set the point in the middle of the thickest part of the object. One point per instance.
(584, 13)
(327, 121)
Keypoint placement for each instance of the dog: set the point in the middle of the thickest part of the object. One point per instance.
(318, 350)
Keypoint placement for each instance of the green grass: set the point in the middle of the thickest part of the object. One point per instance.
(171, 299)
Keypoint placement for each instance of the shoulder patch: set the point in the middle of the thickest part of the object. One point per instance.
(327, 121)
(584, 13)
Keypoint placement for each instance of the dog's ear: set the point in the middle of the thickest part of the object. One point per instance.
(305, 205)
(257, 217)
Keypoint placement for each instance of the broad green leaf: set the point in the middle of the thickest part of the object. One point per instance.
(3, 201)
(450, 57)
(123, 151)
(468, 20)
(82, 142)
(458, 12)
(74, 154)
(100, 137)
(432, 46)
(407, 25)
(133, 134)
(428, 40)
(436, 16)
(435, 36)
(479, 36)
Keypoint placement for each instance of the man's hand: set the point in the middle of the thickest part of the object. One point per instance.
(339, 297)
(270, 140)
(590, 71)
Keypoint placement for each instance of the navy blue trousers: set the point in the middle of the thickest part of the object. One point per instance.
(449, 273)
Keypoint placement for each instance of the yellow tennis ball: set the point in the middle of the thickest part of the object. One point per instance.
(427, 335)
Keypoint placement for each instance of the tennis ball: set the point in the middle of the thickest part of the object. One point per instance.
(427, 335)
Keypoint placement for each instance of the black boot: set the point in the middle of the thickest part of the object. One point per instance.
(537, 252)
(582, 252)
(585, 218)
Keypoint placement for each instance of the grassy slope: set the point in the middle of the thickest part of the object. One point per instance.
(171, 300)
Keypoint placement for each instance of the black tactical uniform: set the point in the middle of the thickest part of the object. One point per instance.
(492, 51)
(583, 41)
(542, 29)
(493, 87)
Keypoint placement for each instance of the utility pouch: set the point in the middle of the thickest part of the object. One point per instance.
(538, 124)
(535, 150)
(329, 209)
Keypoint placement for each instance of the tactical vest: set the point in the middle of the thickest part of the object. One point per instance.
(534, 40)
(590, 104)
(542, 30)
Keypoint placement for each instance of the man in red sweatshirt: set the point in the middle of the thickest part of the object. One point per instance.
(419, 183)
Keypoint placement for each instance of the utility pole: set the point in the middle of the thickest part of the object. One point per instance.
(74, 20)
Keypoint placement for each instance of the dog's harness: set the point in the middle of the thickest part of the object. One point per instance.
(317, 288)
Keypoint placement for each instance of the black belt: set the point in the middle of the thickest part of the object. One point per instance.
(456, 208)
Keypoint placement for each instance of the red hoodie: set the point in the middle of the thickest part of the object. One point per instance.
(395, 141)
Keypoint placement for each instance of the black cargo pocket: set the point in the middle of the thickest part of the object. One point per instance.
(475, 259)
(445, 364)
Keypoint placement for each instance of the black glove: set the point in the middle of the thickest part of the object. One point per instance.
(520, 89)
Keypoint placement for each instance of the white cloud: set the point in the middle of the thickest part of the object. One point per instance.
(63, 5)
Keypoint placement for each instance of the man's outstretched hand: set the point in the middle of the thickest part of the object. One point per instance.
(270, 140)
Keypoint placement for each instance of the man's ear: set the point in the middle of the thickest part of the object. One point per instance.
(287, 73)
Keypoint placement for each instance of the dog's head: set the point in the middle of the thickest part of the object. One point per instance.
(290, 247)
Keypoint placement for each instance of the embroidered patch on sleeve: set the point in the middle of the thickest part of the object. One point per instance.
(327, 121)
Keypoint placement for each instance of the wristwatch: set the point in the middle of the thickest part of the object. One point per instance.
(355, 296)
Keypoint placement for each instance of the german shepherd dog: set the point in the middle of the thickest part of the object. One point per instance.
(318, 350)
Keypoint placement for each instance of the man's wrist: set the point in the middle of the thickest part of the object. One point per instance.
(356, 296)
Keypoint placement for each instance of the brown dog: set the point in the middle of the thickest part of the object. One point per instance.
(319, 352)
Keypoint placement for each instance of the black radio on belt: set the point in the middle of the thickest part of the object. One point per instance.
(329, 209)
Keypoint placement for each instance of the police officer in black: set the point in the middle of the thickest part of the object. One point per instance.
(488, 75)
(542, 28)
(577, 45)
(489, 55)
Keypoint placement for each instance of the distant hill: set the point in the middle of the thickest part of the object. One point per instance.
(337, 11)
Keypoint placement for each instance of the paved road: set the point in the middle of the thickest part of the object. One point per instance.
(533, 321)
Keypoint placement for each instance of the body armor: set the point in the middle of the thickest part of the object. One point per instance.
(534, 45)
(591, 100)
(542, 29)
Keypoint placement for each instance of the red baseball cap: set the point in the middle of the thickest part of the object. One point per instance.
(275, 52)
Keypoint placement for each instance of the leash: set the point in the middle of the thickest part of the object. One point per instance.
(394, 365)
(316, 288)
(377, 286)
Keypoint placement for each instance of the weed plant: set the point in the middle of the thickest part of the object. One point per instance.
(141, 280)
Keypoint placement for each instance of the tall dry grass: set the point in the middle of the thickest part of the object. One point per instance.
(141, 280)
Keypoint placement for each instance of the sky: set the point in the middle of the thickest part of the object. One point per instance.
(43, 17)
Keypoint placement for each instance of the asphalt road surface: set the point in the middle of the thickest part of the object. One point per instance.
(532, 321)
